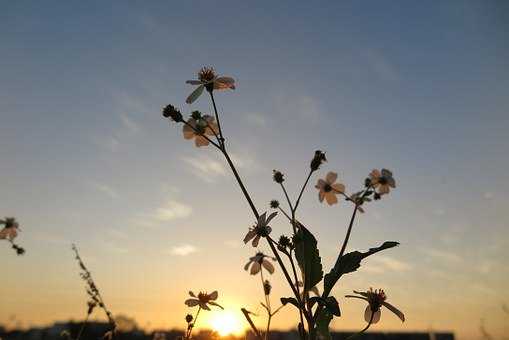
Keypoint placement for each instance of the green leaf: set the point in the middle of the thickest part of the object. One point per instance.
(290, 300)
(349, 263)
(308, 257)
(322, 325)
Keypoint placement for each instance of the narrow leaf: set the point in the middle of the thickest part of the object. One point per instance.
(350, 262)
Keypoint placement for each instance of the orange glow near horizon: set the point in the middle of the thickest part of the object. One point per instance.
(227, 323)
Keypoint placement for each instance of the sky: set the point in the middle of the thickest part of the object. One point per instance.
(420, 88)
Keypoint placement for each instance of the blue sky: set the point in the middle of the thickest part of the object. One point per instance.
(417, 87)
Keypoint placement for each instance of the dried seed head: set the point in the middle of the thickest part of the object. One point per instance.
(189, 318)
(278, 176)
(196, 115)
(274, 204)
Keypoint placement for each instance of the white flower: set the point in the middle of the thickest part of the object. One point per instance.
(256, 262)
(208, 78)
(203, 300)
(10, 230)
(261, 229)
(198, 129)
(376, 299)
(328, 189)
(383, 180)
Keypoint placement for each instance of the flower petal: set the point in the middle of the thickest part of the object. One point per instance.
(213, 295)
(331, 177)
(246, 267)
(201, 141)
(223, 83)
(396, 311)
(192, 302)
(256, 240)
(203, 305)
(271, 216)
(386, 173)
(383, 189)
(267, 265)
(188, 132)
(367, 315)
(192, 294)
(250, 234)
(331, 198)
(338, 187)
(255, 268)
(215, 304)
(195, 94)
(321, 195)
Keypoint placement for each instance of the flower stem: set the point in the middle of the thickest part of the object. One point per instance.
(221, 140)
(302, 191)
(82, 328)
(188, 335)
(353, 336)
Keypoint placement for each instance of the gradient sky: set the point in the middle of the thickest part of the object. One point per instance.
(417, 87)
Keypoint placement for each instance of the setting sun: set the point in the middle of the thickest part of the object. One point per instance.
(226, 323)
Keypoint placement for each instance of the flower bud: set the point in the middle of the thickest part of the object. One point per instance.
(171, 112)
(196, 115)
(317, 160)
(189, 318)
(267, 287)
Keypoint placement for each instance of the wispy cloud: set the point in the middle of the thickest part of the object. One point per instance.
(129, 124)
(235, 244)
(105, 189)
(206, 168)
(442, 255)
(382, 264)
(183, 250)
(172, 210)
(256, 118)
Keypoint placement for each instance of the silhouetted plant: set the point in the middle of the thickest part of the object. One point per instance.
(203, 301)
(9, 232)
(256, 265)
(95, 299)
(300, 248)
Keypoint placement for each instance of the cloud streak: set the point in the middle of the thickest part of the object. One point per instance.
(183, 250)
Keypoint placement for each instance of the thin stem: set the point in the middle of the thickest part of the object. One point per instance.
(267, 300)
(287, 197)
(302, 191)
(267, 330)
(188, 335)
(353, 336)
(296, 284)
(347, 237)
(285, 213)
(217, 118)
(82, 328)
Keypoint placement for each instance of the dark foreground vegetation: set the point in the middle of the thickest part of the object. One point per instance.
(95, 330)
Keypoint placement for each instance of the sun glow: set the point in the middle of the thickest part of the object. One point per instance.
(226, 323)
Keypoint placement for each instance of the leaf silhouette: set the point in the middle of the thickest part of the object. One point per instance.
(308, 257)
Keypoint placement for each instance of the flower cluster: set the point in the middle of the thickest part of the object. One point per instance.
(300, 249)
(9, 232)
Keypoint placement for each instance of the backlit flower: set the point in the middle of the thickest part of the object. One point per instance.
(261, 229)
(10, 229)
(208, 79)
(256, 262)
(328, 189)
(376, 299)
(382, 180)
(203, 300)
(199, 128)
